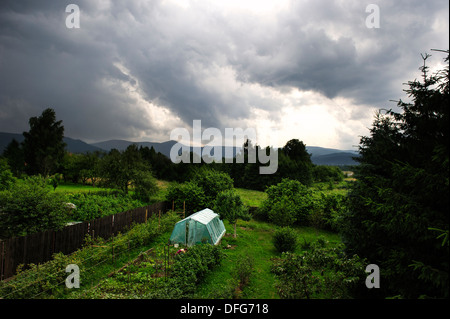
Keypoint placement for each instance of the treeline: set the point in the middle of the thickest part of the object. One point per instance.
(294, 162)
(27, 205)
(104, 169)
(43, 153)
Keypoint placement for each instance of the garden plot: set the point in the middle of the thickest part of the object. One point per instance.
(137, 278)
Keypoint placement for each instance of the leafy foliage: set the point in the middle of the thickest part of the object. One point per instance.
(43, 145)
(289, 202)
(293, 162)
(28, 207)
(6, 176)
(402, 191)
(327, 212)
(95, 205)
(229, 206)
(189, 269)
(324, 173)
(144, 186)
(243, 270)
(200, 191)
(322, 272)
(212, 182)
(124, 169)
(188, 193)
(285, 240)
(47, 280)
(13, 153)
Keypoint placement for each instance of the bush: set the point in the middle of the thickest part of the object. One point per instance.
(229, 206)
(327, 211)
(189, 269)
(6, 176)
(95, 205)
(190, 193)
(285, 240)
(243, 270)
(287, 203)
(323, 272)
(324, 173)
(283, 212)
(144, 186)
(212, 183)
(28, 207)
(200, 191)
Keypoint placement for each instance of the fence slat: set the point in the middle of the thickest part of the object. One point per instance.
(40, 247)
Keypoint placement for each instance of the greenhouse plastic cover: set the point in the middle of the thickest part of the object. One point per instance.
(203, 226)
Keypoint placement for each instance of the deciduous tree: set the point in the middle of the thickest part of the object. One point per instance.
(43, 144)
(230, 207)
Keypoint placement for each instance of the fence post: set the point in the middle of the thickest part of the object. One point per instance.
(113, 251)
(53, 242)
(2, 254)
(159, 218)
(112, 226)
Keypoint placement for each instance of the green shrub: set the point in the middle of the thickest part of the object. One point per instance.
(229, 206)
(243, 270)
(144, 186)
(200, 191)
(28, 206)
(287, 203)
(282, 212)
(305, 245)
(212, 183)
(188, 193)
(94, 205)
(325, 173)
(327, 212)
(323, 272)
(6, 176)
(285, 239)
(188, 270)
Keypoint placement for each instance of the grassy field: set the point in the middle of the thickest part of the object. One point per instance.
(75, 188)
(254, 239)
(251, 197)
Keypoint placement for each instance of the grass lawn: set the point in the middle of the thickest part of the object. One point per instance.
(251, 197)
(160, 196)
(75, 188)
(254, 239)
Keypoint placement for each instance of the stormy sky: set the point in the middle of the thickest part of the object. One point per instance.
(135, 70)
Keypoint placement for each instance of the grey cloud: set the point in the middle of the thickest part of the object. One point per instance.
(172, 53)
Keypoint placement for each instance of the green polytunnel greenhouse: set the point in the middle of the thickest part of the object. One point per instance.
(202, 226)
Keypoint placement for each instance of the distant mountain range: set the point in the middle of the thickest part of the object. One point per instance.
(319, 155)
(73, 146)
(331, 156)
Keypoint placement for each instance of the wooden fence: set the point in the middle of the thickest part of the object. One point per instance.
(40, 247)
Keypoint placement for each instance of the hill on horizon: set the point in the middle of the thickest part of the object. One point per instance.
(319, 155)
(73, 145)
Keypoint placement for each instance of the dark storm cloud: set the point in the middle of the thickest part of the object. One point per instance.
(44, 64)
(201, 62)
(316, 45)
